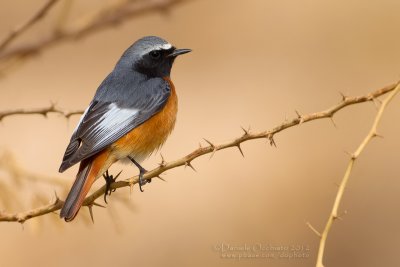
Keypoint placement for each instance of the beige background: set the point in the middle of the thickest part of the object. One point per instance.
(253, 64)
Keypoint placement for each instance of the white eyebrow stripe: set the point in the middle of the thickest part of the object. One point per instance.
(166, 46)
(157, 47)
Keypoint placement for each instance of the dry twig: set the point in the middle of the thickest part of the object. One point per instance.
(109, 16)
(334, 213)
(210, 149)
(39, 111)
(41, 13)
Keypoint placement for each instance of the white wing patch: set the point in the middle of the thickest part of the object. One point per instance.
(114, 118)
(81, 119)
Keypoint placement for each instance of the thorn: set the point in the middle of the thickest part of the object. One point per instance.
(352, 156)
(200, 145)
(333, 121)
(313, 229)
(337, 185)
(212, 146)
(344, 97)
(91, 212)
(301, 119)
(189, 164)
(377, 135)
(271, 140)
(56, 196)
(56, 201)
(52, 106)
(98, 205)
(337, 218)
(162, 164)
(116, 176)
(376, 102)
(246, 132)
(130, 187)
(162, 179)
(213, 152)
(240, 149)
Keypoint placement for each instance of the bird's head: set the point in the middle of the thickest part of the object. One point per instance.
(152, 56)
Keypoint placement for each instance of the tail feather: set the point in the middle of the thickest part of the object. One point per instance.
(84, 180)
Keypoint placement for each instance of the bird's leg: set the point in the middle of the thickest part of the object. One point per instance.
(109, 180)
(142, 171)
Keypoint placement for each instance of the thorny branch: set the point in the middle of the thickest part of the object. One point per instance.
(109, 16)
(210, 149)
(334, 213)
(39, 111)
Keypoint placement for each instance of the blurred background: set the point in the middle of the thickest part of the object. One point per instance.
(253, 64)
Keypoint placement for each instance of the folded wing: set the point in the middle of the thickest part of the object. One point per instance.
(104, 122)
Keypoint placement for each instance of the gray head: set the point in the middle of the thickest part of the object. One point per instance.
(150, 55)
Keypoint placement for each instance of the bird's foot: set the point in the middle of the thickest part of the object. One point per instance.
(142, 181)
(142, 171)
(109, 181)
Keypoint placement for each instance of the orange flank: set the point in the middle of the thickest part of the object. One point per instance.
(151, 134)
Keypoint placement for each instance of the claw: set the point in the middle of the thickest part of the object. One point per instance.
(141, 180)
(142, 171)
(110, 179)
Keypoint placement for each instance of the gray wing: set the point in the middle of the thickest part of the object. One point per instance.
(104, 122)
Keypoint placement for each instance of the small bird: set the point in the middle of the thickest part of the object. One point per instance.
(131, 115)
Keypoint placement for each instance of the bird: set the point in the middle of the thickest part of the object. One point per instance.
(131, 115)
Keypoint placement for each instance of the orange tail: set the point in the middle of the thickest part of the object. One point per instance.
(87, 174)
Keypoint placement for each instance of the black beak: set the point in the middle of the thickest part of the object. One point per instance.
(178, 52)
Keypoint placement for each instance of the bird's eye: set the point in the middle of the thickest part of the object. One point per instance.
(155, 54)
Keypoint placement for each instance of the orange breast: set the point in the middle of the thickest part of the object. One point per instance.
(151, 134)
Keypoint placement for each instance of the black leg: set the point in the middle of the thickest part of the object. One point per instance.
(109, 180)
(142, 171)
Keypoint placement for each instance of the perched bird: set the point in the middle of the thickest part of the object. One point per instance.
(131, 115)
